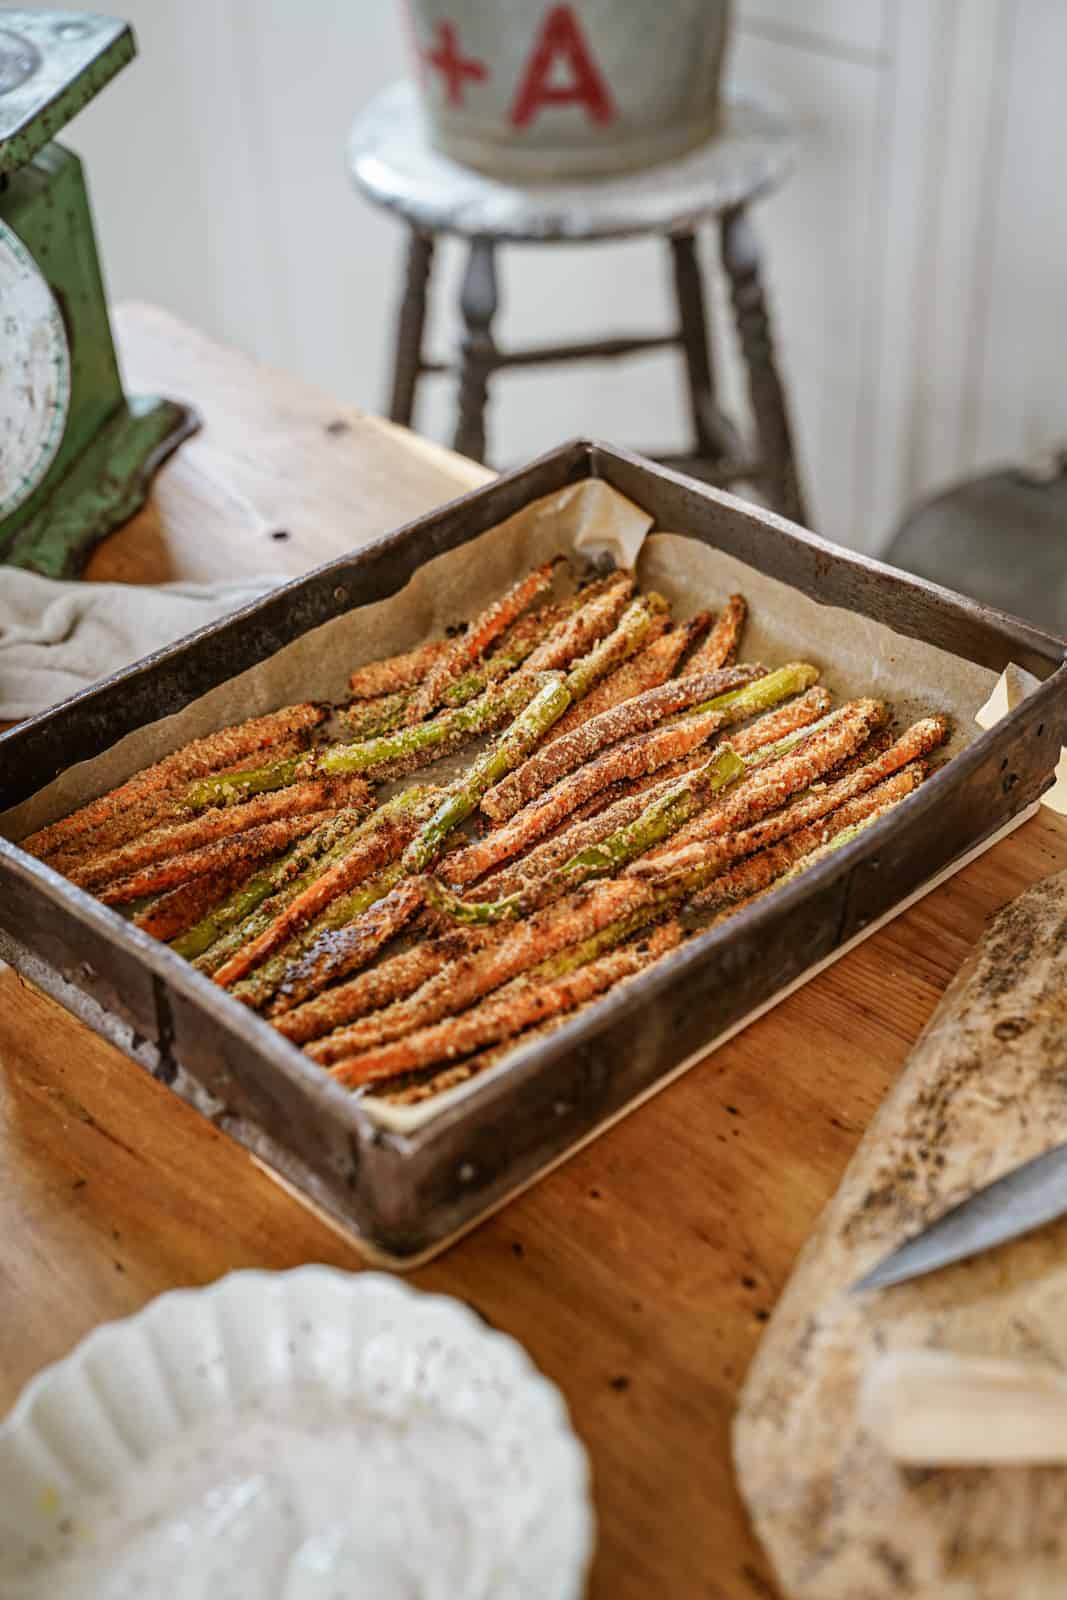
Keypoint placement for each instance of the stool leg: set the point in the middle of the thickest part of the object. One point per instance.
(478, 303)
(714, 437)
(410, 322)
(740, 258)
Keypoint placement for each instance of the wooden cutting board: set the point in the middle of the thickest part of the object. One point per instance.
(984, 1089)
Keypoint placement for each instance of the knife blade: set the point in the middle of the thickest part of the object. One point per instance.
(1023, 1199)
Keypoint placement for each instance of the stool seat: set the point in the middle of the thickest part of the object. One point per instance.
(391, 160)
(393, 164)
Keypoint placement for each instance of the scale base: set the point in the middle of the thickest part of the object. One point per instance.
(103, 487)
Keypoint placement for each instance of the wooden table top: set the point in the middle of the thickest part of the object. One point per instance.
(638, 1274)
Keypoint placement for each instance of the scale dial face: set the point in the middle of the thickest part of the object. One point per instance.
(34, 374)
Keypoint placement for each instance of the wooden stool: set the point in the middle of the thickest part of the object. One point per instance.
(391, 162)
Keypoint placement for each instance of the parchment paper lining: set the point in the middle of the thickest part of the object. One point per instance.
(856, 654)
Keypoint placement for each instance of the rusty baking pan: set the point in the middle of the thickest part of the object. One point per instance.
(404, 1190)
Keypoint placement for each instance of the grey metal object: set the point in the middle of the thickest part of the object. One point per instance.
(393, 164)
(403, 1194)
(1024, 1199)
(1001, 537)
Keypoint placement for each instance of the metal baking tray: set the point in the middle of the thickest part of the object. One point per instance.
(403, 1195)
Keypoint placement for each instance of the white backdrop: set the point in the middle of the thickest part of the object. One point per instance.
(916, 261)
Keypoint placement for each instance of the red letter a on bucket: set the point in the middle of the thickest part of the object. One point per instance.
(561, 38)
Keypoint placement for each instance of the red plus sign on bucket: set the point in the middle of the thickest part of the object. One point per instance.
(527, 90)
(454, 68)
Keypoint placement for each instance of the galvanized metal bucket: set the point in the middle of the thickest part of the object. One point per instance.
(532, 91)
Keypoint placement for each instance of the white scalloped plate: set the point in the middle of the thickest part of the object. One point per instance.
(294, 1436)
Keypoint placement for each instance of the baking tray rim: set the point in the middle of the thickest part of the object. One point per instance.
(581, 452)
(356, 1116)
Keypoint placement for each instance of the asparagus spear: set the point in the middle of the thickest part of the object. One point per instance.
(547, 706)
(375, 757)
(652, 665)
(562, 754)
(645, 752)
(367, 718)
(661, 818)
(250, 908)
(410, 806)
(366, 855)
(764, 694)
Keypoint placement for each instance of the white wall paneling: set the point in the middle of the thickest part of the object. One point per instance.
(916, 261)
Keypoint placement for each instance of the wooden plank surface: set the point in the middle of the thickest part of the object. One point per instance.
(274, 457)
(639, 1274)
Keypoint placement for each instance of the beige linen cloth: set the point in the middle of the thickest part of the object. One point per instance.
(59, 638)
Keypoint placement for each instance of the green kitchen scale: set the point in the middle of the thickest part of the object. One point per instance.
(76, 453)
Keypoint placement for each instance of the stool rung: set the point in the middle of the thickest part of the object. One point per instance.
(592, 350)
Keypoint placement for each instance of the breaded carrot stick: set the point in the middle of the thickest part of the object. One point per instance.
(624, 640)
(251, 846)
(652, 665)
(396, 672)
(225, 748)
(256, 989)
(365, 719)
(165, 808)
(818, 801)
(774, 725)
(367, 856)
(538, 864)
(552, 761)
(522, 1004)
(253, 903)
(771, 785)
(543, 859)
(644, 753)
(723, 642)
(756, 872)
(468, 647)
(414, 1088)
(334, 955)
(600, 608)
(755, 741)
(172, 839)
(580, 917)
(392, 979)
(177, 910)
